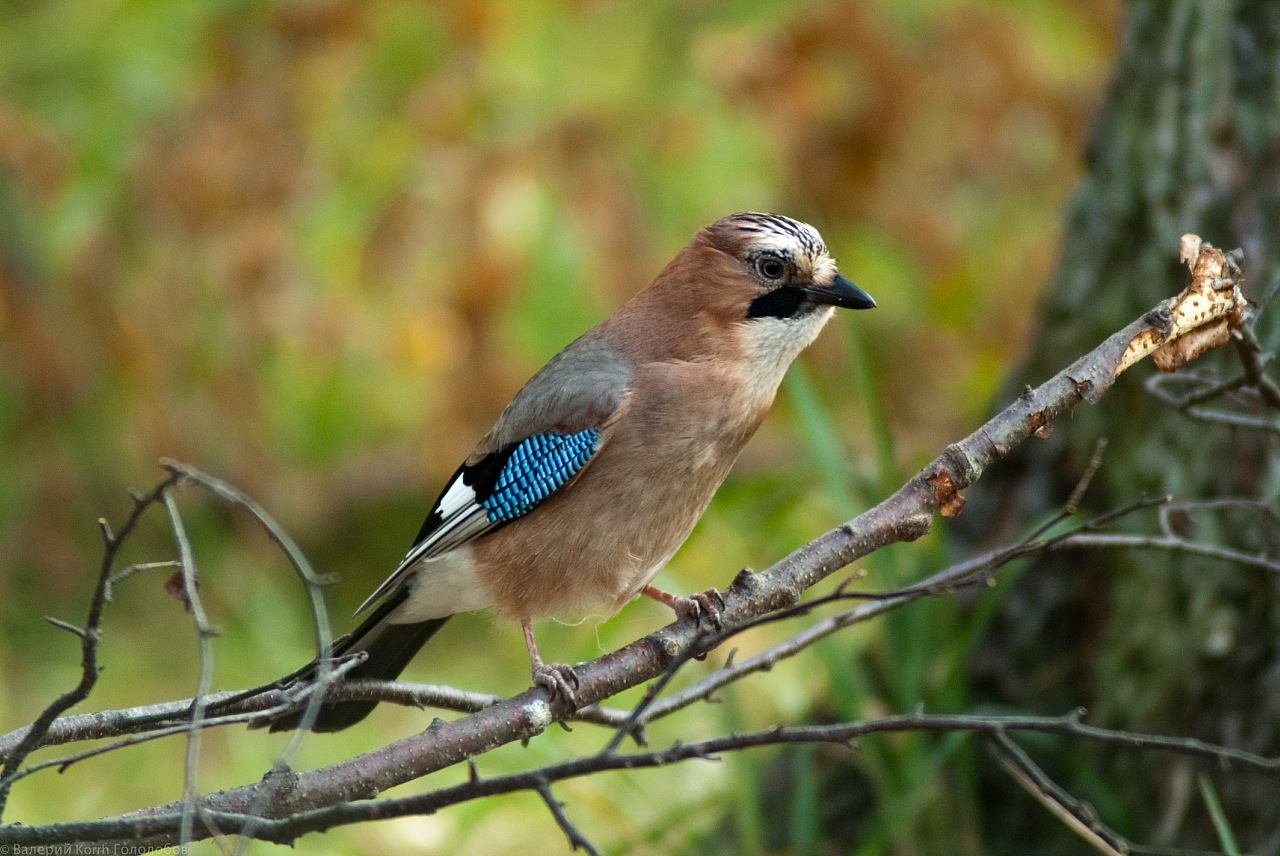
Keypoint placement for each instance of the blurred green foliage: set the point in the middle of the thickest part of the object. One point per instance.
(313, 246)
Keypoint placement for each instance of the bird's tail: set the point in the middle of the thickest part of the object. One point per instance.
(388, 648)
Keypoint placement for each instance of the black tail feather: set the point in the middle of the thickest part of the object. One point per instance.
(389, 648)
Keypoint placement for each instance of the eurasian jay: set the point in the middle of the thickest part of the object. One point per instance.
(598, 469)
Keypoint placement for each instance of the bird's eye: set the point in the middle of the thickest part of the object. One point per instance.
(771, 267)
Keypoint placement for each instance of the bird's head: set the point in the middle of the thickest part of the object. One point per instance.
(766, 282)
(759, 285)
(784, 270)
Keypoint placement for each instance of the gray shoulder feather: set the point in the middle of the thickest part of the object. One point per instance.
(584, 386)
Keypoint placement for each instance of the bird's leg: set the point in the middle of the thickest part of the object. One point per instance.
(705, 606)
(558, 678)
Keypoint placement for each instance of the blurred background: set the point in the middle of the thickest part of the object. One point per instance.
(313, 246)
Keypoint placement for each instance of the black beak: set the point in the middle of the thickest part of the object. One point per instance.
(841, 293)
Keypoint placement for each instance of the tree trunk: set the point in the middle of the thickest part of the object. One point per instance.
(1188, 141)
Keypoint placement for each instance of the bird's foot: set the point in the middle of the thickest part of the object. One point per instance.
(706, 608)
(559, 680)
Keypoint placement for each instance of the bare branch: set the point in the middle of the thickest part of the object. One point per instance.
(1254, 362)
(1086, 479)
(977, 570)
(168, 719)
(1227, 503)
(577, 841)
(1076, 816)
(67, 626)
(1253, 388)
(132, 570)
(236, 707)
(88, 642)
(313, 583)
(1171, 544)
(204, 634)
(1234, 420)
(148, 830)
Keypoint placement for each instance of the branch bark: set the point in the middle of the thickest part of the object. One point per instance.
(288, 828)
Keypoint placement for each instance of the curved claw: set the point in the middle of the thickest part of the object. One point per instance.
(706, 608)
(559, 680)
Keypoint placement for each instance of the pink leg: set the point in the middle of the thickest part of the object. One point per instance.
(705, 606)
(556, 678)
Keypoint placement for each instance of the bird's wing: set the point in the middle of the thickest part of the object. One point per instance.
(547, 435)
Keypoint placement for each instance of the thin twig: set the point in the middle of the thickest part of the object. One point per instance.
(577, 841)
(77, 632)
(633, 726)
(170, 718)
(1254, 361)
(121, 576)
(240, 706)
(88, 641)
(323, 633)
(204, 640)
(1234, 420)
(1086, 478)
(979, 569)
(1206, 389)
(1175, 545)
(1259, 506)
(1076, 816)
(312, 581)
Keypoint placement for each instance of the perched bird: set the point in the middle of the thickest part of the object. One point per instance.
(598, 469)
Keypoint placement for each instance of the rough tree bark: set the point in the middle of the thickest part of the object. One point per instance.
(1187, 141)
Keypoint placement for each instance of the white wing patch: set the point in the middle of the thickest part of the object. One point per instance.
(462, 519)
(456, 498)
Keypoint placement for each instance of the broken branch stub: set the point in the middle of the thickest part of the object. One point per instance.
(1200, 318)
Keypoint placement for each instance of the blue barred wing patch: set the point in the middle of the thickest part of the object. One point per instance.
(538, 467)
(512, 482)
